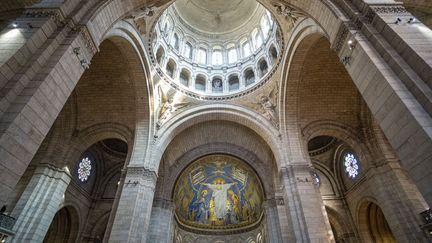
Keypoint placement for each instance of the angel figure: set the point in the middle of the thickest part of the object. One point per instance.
(267, 106)
(146, 12)
(167, 106)
(290, 14)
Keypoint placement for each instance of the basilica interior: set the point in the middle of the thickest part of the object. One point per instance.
(215, 121)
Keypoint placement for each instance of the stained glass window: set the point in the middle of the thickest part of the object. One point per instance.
(232, 55)
(201, 56)
(351, 165)
(84, 169)
(246, 49)
(316, 180)
(217, 58)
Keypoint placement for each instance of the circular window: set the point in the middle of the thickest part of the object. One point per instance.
(316, 180)
(351, 165)
(84, 169)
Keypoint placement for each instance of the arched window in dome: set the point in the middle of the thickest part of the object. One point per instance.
(269, 18)
(232, 55)
(273, 53)
(187, 50)
(265, 25)
(160, 54)
(249, 77)
(351, 164)
(263, 67)
(257, 38)
(233, 82)
(217, 57)
(185, 77)
(202, 56)
(217, 85)
(167, 27)
(246, 49)
(200, 82)
(176, 42)
(170, 68)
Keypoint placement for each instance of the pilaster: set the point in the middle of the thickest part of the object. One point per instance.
(39, 203)
(132, 217)
(273, 227)
(161, 222)
(304, 205)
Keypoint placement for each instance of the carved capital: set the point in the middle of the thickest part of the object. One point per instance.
(140, 177)
(88, 39)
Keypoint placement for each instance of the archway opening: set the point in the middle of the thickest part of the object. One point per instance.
(64, 226)
(376, 224)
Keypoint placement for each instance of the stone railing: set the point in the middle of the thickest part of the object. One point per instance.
(427, 220)
(6, 224)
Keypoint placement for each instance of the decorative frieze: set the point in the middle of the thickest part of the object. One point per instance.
(389, 9)
(53, 13)
(87, 38)
(340, 38)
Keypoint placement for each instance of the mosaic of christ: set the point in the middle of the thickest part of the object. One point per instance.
(218, 191)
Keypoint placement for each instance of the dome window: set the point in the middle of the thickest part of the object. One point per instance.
(160, 54)
(200, 83)
(176, 42)
(263, 67)
(234, 83)
(170, 68)
(202, 56)
(217, 57)
(184, 77)
(232, 55)
(187, 50)
(249, 77)
(246, 49)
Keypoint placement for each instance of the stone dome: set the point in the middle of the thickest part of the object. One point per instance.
(212, 49)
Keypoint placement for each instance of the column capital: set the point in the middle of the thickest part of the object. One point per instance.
(139, 175)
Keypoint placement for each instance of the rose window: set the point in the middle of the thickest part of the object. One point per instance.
(84, 169)
(351, 165)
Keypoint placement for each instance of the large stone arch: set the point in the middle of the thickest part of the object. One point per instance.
(65, 226)
(384, 93)
(260, 160)
(204, 113)
(191, 142)
(124, 35)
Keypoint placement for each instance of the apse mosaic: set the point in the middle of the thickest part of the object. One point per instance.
(220, 192)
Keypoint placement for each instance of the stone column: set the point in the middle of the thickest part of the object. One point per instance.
(132, 217)
(400, 201)
(39, 203)
(161, 228)
(273, 227)
(304, 205)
